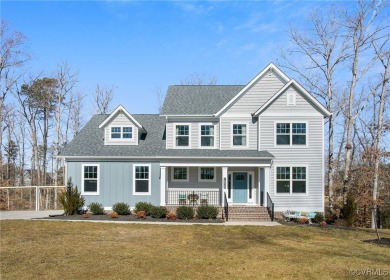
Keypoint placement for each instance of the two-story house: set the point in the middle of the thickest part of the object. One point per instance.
(239, 144)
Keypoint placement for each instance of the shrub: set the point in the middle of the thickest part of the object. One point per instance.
(71, 199)
(141, 215)
(349, 210)
(96, 208)
(171, 216)
(302, 220)
(319, 217)
(121, 208)
(85, 215)
(322, 223)
(114, 215)
(184, 212)
(143, 206)
(385, 217)
(158, 212)
(207, 212)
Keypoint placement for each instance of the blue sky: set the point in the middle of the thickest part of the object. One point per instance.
(140, 46)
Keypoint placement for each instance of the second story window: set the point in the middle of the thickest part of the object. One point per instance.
(291, 134)
(239, 135)
(182, 135)
(207, 135)
(118, 132)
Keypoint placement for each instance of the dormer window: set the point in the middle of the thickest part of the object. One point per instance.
(118, 132)
(182, 135)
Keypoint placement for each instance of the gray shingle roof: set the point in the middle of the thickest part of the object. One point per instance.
(198, 100)
(90, 143)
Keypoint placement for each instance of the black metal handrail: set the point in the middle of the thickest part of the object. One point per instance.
(226, 209)
(193, 197)
(270, 207)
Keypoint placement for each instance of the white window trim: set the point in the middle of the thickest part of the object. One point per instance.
(291, 134)
(206, 180)
(231, 135)
(174, 136)
(291, 95)
(98, 179)
(121, 138)
(291, 193)
(179, 180)
(150, 180)
(200, 136)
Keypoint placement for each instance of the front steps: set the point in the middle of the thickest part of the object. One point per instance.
(249, 214)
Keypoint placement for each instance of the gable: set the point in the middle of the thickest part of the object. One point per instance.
(256, 92)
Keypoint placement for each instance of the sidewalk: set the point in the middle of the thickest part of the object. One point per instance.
(27, 215)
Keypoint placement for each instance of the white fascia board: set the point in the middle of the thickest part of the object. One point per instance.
(254, 80)
(187, 116)
(153, 158)
(215, 164)
(316, 103)
(118, 109)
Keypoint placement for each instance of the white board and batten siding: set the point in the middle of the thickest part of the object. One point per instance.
(120, 120)
(310, 156)
(194, 126)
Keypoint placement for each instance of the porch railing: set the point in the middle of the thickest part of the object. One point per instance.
(226, 208)
(193, 198)
(270, 207)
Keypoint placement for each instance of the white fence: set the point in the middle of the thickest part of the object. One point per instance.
(30, 198)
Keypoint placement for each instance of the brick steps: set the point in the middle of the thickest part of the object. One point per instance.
(248, 213)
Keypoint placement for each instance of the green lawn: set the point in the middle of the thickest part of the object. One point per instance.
(79, 250)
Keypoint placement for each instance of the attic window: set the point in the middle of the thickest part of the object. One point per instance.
(118, 132)
(291, 99)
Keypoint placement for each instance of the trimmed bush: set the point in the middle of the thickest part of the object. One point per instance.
(322, 223)
(71, 199)
(141, 215)
(121, 208)
(158, 212)
(143, 206)
(171, 216)
(184, 212)
(302, 220)
(96, 208)
(114, 215)
(207, 212)
(318, 218)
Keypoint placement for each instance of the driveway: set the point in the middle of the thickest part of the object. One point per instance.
(27, 215)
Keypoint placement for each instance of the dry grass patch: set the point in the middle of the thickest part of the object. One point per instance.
(71, 250)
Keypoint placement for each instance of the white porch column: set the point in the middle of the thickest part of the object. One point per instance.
(163, 184)
(266, 184)
(259, 185)
(224, 183)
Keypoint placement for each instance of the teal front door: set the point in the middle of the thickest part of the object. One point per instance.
(240, 187)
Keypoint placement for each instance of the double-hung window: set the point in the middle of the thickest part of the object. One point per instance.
(207, 135)
(180, 174)
(239, 134)
(127, 133)
(182, 135)
(141, 179)
(207, 174)
(90, 179)
(288, 134)
(119, 132)
(291, 180)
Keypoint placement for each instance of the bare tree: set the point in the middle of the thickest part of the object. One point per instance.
(102, 99)
(199, 79)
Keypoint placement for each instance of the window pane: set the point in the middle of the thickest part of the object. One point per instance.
(207, 173)
(299, 187)
(207, 141)
(182, 130)
(182, 141)
(283, 173)
(90, 185)
(142, 186)
(283, 186)
(142, 172)
(283, 128)
(283, 139)
(299, 173)
(299, 128)
(115, 132)
(299, 139)
(127, 132)
(239, 140)
(207, 130)
(180, 173)
(90, 172)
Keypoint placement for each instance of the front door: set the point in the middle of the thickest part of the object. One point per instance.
(240, 187)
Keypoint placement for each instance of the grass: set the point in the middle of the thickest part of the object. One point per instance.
(79, 250)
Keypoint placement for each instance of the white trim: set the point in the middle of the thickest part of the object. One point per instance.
(251, 201)
(291, 96)
(118, 109)
(316, 103)
(149, 179)
(174, 164)
(188, 116)
(206, 180)
(200, 135)
(189, 136)
(291, 114)
(163, 185)
(323, 167)
(266, 185)
(121, 139)
(194, 189)
(231, 135)
(130, 158)
(291, 135)
(179, 180)
(291, 194)
(97, 179)
(254, 80)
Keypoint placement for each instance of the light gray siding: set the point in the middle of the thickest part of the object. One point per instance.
(120, 120)
(226, 124)
(257, 95)
(116, 182)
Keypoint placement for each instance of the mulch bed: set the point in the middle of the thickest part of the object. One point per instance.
(383, 241)
(131, 218)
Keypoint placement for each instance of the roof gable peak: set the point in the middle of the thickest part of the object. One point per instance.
(122, 109)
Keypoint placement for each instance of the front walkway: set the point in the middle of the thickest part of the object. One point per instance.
(27, 215)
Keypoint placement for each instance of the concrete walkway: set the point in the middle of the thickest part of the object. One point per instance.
(28, 215)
